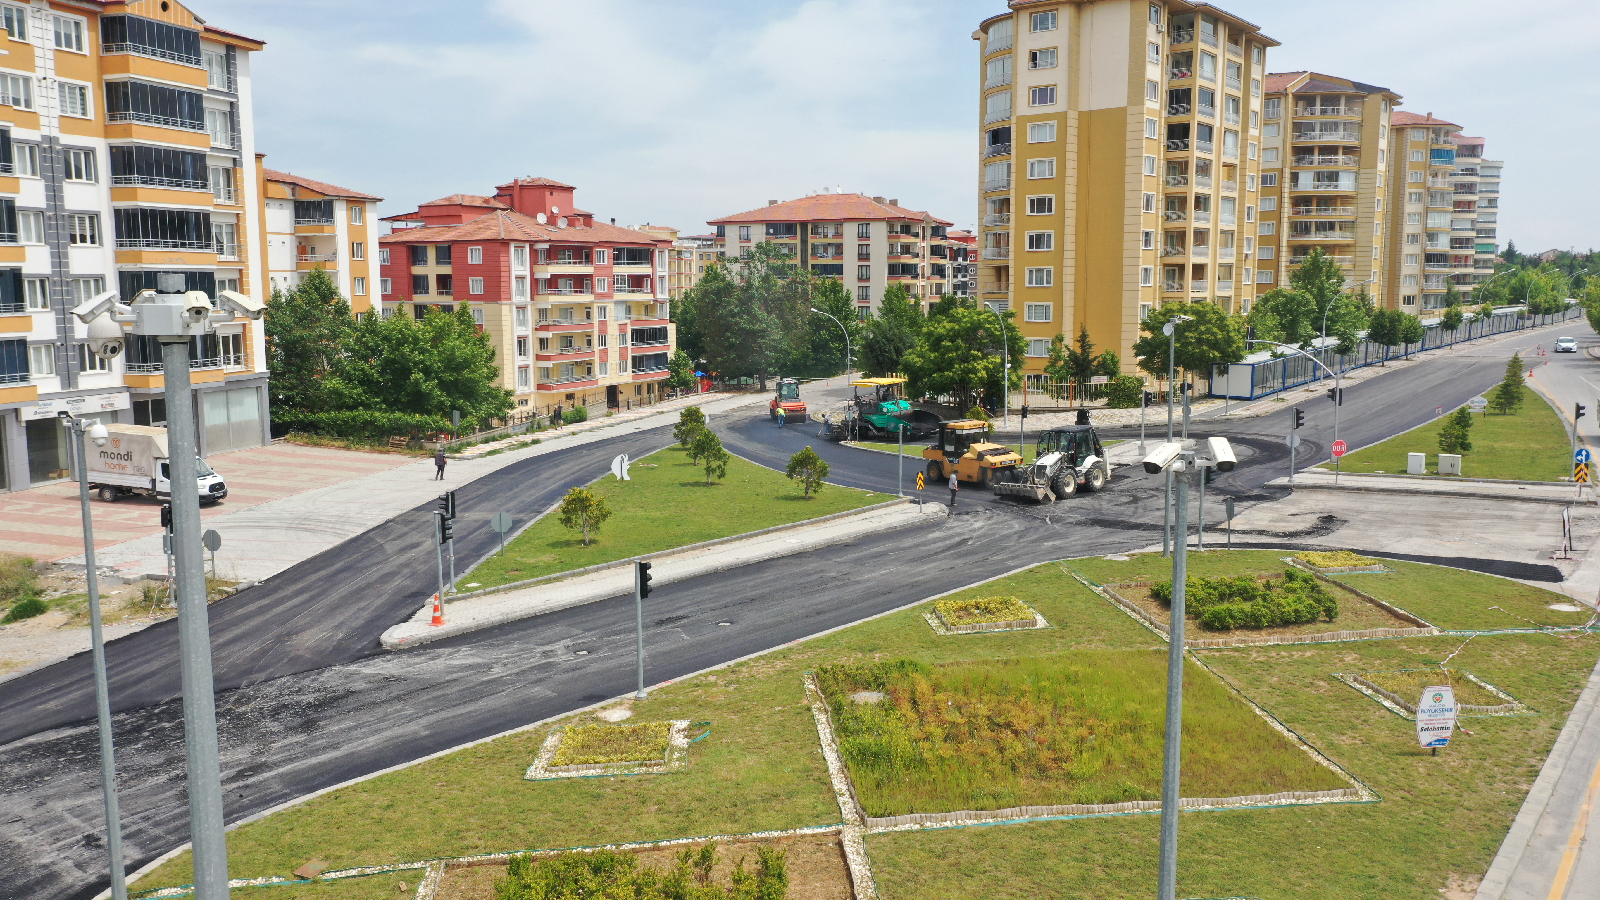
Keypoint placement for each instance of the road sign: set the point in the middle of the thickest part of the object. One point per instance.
(1294, 440)
(921, 483)
(1580, 473)
(211, 540)
(1436, 716)
(1580, 455)
(1478, 403)
(1338, 449)
(501, 523)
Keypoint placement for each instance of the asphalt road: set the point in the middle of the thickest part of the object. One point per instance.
(306, 699)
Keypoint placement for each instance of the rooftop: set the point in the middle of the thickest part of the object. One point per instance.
(321, 187)
(1319, 82)
(509, 225)
(1410, 118)
(830, 208)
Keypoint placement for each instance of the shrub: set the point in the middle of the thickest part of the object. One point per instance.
(809, 469)
(983, 609)
(583, 510)
(575, 415)
(1222, 604)
(1125, 392)
(1333, 559)
(26, 609)
(607, 873)
(358, 424)
(18, 580)
(691, 419)
(707, 449)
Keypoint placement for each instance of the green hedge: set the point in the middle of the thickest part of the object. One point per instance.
(360, 424)
(1222, 604)
(1125, 392)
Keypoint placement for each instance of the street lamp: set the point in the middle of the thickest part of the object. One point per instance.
(173, 317)
(1005, 372)
(846, 339)
(1172, 458)
(82, 431)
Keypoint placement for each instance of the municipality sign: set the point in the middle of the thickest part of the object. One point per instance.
(1436, 716)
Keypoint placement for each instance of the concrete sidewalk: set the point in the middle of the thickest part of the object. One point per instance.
(1317, 479)
(489, 610)
(281, 533)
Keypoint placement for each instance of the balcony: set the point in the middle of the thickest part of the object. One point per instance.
(1198, 287)
(1225, 286)
(998, 79)
(151, 119)
(1442, 140)
(997, 115)
(1233, 84)
(1173, 251)
(1209, 112)
(1182, 36)
(1200, 251)
(162, 244)
(1178, 73)
(1175, 180)
(316, 221)
(1348, 109)
(1324, 212)
(1313, 160)
(1235, 49)
(1204, 146)
(997, 219)
(997, 150)
(1470, 225)
(1342, 187)
(1202, 216)
(1225, 253)
(997, 253)
(1202, 181)
(153, 181)
(1230, 118)
(316, 257)
(1177, 144)
(1000, 42)
(152, 52)
(1349, 136)
(1466, 188)
(1230, 187)
(1339, 235)
(1339, 260)
(997, 184)
(1210, 40)
(227, 251)
(1176, 215)
(1230, 152)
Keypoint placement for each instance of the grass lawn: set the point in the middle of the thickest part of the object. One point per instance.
(1409, 685)
(666, 505)
(761, 767)
(1530, 445)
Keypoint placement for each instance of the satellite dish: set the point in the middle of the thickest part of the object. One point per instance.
(556, 210)
(561, 222)
(619, 467)
(540, 218)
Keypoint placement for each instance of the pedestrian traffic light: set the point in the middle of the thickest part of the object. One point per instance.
(642, 575)
(1299, 417)
(1577, 411)
(1336, 395)
(166, 516)
(447, 505)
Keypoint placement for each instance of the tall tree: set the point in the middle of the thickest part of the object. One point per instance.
(748, 324)
(1384, 330)
(958, 354)
(1506, 398)
(820, 352)
(1410, 331)
(307, 328)
(428, 367)
(893, 331)
(1213, 337)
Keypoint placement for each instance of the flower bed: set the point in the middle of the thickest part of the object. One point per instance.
(1399, 690)
(594, 748)
(1337, 561)
(982, 614)
(1224, 604)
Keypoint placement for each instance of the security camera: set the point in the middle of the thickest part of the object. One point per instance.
(1162, 456)
(196, 306)
(240, 304)
(98, 433)
(1222, 454)
(105, 337)
(96, 306)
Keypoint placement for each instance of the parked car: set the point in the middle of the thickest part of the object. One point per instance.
(1566, 345)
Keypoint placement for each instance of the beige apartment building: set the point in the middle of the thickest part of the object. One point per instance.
(1325, 150)
(309, 224)
(1423, 193)
(1120, 156)
(686, 260)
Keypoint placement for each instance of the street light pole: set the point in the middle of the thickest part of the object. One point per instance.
(1005, 371)
(102, 691)
(846, 339)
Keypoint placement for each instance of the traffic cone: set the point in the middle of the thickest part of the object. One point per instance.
(438, 611)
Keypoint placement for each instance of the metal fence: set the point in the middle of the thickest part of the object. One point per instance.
(1253, 380)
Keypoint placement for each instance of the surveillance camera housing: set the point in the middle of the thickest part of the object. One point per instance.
(96, 306)
(1162, 456)
(105, 337)
(241, 304)
(1222, 454)
(196, 306)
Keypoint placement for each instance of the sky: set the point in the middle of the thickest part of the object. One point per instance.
(679, 111)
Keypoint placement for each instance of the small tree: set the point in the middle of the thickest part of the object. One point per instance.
(583, 510)
(691, 421)
(809, 469)
(1453, 435)
(1410, 331)
(1452, 317)
(681, 371)
(707, 448)
(1384, 330)
(1506, 398)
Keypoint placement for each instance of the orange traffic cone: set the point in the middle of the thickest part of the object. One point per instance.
(438, 611)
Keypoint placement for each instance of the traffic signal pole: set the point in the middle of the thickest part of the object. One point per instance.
(438, 548)
(641, 590)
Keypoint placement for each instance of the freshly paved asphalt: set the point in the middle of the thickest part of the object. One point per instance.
(306, 699)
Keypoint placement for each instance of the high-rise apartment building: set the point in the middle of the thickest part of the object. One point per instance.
(577, 310)
(867, 242)
(1120, 154)
(1325, 149)
(126, 145)
(309, 225)
(1427, 201)
(1477, 190)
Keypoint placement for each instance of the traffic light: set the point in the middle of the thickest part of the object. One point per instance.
(1336, 395)
(446, 529)
(166, 516)
(1299, 417)
(447, 505)
(1577, 411)
(641, 571)
(1024, 411)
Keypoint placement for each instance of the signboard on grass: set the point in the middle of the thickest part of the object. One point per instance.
(1436, 716)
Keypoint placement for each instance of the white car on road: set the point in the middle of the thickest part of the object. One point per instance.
(1566, 345)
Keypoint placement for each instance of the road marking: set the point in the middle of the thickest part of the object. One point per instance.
(1568, 859)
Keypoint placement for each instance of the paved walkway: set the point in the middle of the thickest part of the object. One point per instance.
(1434, 485)
(489, 610)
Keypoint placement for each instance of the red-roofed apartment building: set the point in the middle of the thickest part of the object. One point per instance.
(866, 242)
(309, 225)
(577, 310)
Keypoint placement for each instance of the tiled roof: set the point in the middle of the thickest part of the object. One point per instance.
(548, 182)
(321, 187)
(828, 208)
(509, 225)
(1463, 139)
(466, 200)
(1410, 118)
(1278, 82)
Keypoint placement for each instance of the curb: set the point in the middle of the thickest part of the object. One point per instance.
(1471, 495)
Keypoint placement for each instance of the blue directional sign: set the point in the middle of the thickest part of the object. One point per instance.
(1581, 455)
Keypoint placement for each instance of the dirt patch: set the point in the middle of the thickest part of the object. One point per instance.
(815, 863)
(1355, 614)
(1460, 887)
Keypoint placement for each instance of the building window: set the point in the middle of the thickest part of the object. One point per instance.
(1268, 228)
(1153, 53)
(1149, 202)
(444, 284)
(30, 227)
(1263, 276)
(1043, 276)
(1147, 276)
(1250, 182)
(89, 361)
(1255, 87)
(519, 287)
(1408, 300)
(441, 254)
(42, 359)
(358, 250)
(475, 285)
(1036, 312)
(37, 292)
(69, 33)
(1043, 21)
(1041, 132)
(1152, 90)
(419, 254)
(1041, 168)
(1152, 128)
(863, 231)
(1149, 165)
(16, 21)
(1147, 240)
(83, 229)
(1041, 240)
(386, 286)
(1042, 96)
(1042, 59)
(744, 233)
(74, 100)
(26, 159)
(1038, 347)
(864, 293)
(863, 273)
(357, 214)
(359, 287)
(383, 256)
(16, 90)
(1268, 204)
(419, 284)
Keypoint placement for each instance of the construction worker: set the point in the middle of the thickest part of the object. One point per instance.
(953, 489)
(780, 417)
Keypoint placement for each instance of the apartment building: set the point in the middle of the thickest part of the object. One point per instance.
(1434, 242)
(1119, 144)
(309, 225)
(1325, 150)
(1477, 189)
(963, 263)
(685, 260)
(577, 310)
(868, 243)
(124, 129)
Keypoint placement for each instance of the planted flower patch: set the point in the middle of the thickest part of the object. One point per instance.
(587, 745)
(983, 610)
(1084, 728)
(1339, 561)
(607, 873)
(1223, 604)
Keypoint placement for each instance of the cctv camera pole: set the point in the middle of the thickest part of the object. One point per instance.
(194, 633)
(102, 692)
(1168, 878)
